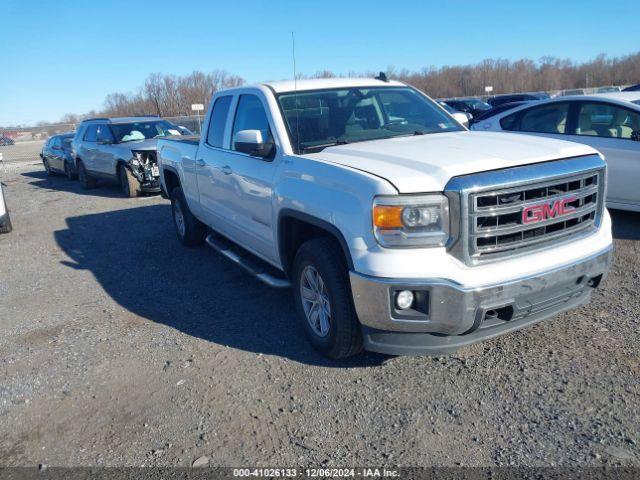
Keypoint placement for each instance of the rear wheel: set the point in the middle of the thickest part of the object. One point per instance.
(47, 167)
(323, 299)
(68, 171)
(190, 230)
(6, 227)
(129, 184)
(86, 181)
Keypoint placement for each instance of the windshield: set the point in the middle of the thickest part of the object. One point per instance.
(477, 104)
(128, 132)
(637, 102)
(324, 118)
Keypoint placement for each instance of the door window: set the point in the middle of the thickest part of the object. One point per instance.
(91, 135)
(105, 134)
(549, 118)
(250, 115)
(605, 120)
(218, 121)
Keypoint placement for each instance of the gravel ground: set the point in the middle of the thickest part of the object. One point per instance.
(118, 346)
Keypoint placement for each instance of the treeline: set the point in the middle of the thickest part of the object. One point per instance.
(548, 74)
(173, 95)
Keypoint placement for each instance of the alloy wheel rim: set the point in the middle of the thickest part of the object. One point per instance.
(177, 213)
(315, 301)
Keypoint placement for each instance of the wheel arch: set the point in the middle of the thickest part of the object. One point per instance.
(295, 228)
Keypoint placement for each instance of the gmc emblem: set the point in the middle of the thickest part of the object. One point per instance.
(543, 211)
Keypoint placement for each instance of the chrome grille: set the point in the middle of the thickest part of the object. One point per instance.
(498, 217)
(511, 211)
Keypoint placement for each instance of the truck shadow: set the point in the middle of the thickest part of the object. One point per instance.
(625, 225)
(138, 261)
(62, 183)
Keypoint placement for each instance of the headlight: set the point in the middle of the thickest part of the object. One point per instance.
(411, 220)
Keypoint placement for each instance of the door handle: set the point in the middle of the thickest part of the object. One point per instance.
(200, 162)
(226, 170)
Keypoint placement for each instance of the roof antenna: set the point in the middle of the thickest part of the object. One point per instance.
(383, 77)
(295, 91)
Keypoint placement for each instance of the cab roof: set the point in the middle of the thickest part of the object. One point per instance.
(322, 83)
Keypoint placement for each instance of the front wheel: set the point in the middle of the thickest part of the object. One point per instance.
(323, 299)
(129, 184)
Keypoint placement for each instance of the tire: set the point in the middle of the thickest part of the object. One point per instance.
(47, 167)
(343, 337)
(190, 231)
(6, 227)
(129, 184)
(69, 172)
(85, 180)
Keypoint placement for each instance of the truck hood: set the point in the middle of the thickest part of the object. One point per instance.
(425, 163)
(146, 144)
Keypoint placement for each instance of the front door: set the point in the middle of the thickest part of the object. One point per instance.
(250, 180)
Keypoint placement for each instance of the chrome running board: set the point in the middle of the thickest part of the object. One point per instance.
(245, 261)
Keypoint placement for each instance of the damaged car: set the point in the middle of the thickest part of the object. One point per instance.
(121, 150)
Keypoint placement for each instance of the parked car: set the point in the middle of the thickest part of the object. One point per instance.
(606, 122)
(632, 88)
(5, 220)
(573, 91)
(4, 141)
(499, 109)
(473, 106)
(399, 230)
(120, 150)
(607, 89)
(57, 156)
(463, 117)
(516, 97)
(184, 130)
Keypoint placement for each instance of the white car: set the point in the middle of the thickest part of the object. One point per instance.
(399, 230)
(609, 122)
(5, 221)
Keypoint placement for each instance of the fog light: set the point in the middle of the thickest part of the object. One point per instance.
(404, 299)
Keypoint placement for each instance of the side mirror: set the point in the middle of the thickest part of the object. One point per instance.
(461, 118)
(635, 135)
(252, 143)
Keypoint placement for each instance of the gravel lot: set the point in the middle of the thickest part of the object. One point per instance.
(120, 347)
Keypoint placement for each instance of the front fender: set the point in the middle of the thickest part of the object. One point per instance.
(334, 195)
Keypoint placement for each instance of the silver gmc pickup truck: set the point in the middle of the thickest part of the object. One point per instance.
(399, 230)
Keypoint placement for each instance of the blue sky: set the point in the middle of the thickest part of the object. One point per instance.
(66, 56)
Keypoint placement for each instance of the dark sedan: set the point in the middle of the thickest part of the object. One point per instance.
(56, 156)
(473, 106)
(517, 97)
(4, 141)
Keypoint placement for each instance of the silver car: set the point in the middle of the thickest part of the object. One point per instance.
(5, 221)
(121, 150)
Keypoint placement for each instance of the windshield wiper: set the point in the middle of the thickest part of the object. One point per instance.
(324, 145)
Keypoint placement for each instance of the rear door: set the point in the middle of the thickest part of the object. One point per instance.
(211, 155)
(88, 147)
(614, 130)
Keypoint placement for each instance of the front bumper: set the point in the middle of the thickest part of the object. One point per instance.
(459, 315)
